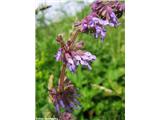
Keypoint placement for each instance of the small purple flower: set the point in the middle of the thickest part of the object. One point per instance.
(61, 103)
(83, 58)
(69, 62)
(103, 34)
(91, 24)
(66, 99)
(98, 31)
(99, 25)
(113, 19)
(87, 22)
(100, 21)
(73, 57)
(57, 107)
(58, 55)
(94, 25)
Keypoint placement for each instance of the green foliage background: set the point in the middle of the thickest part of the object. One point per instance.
(101, 89)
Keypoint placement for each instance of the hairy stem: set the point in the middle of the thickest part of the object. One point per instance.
(73, 37)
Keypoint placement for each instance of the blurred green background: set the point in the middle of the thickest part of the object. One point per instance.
(101, 89)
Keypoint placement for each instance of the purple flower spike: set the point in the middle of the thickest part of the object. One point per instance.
(73, 57)
(66, 99)
(95, 25)
(103, 13)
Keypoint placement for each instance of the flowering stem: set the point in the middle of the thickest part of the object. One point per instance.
(71, 53)
(62, 75)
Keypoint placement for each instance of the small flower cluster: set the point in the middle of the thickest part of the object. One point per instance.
(109, 10)
(103, 13)
(93, 24)
(66, 99)
(72, 56)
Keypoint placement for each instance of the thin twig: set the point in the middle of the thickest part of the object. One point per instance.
(62, 76)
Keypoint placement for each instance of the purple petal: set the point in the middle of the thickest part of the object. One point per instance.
(112, 15)
(93, 57)
(103, 34)
(71, 67)
(76, 101)
(58, 55)
(88, 56)
(70, 61)
(100, 21)
(57, 107)
(84, 26)
(89, 67)
(68, 109)
(98, 29)
(77, 57)
(111, 24)
(91, 23)
(87, 53)
(96, 35)
(114, 20)
(61, 103)
(71, 105)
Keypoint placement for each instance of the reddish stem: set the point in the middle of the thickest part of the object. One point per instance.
(62, 76)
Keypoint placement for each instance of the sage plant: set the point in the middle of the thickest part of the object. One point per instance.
(71, 53)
